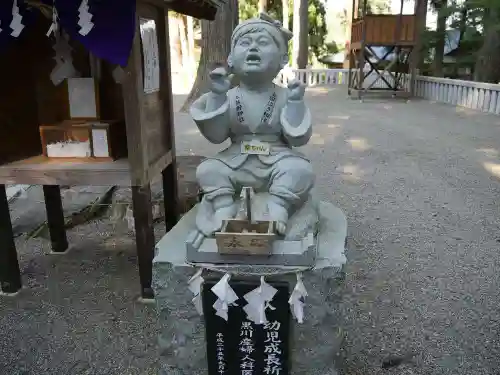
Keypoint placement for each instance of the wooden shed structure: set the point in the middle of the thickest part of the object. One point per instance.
(382, 42)
(142, 121)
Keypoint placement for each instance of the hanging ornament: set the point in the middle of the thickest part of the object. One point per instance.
(225, 297)
(296, 300)
(54, 26)
(17, 21)
(194, 285)
(85, 18)
(0, 27)
(64, 62)
(258, 301)
(118, 74)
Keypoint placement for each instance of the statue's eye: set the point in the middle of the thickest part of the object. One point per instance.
(263, 41)
(244, 42)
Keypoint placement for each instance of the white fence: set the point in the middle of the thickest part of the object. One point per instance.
(474, 95)
(317, 77)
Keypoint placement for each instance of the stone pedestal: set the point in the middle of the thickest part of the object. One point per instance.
(314, 343)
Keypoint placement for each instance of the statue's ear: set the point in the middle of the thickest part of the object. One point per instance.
(230, 62)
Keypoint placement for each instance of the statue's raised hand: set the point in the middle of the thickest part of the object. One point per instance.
(220, 81)
(296, 90)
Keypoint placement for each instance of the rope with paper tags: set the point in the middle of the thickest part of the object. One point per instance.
(258, 300)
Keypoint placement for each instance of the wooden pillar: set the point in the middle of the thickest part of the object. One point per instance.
(144, 236)
(55, 218)
(170, 196)
(169, 174)
(10, 274)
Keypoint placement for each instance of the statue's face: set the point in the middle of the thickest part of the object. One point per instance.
(256, 52)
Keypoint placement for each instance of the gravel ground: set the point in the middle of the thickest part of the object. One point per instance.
(418, 182)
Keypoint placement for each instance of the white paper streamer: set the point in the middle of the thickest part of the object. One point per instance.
(226, 297)
(118, 74)
(129, 217)
(0, 27)
(54, 26)
(85, 18)
(17, 21)
(296, 299)
(258, 301)
(194, 285)
(64, 61)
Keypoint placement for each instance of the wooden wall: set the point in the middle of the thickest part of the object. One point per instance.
(382, 29)
(20, 63)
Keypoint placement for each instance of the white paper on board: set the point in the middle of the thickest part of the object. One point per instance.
(100, 143)
(82, 100)
(150, 53)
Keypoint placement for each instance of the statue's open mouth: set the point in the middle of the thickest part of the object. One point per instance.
(253, 58)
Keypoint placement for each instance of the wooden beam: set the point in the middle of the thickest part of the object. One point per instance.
(169, 173)
(10, 274)
(40, 170)
(133, 89)
(144, 237)
(55, 218)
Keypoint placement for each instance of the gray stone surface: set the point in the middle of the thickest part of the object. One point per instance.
(314, 342)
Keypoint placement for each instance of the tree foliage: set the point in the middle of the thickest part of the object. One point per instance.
(378, 7)
(479, 43)
(316, 17)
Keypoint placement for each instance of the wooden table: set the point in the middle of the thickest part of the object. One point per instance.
(52, 174)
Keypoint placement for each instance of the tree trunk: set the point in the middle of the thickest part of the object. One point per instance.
(300, 34)
(215, 48)
(191, 47)
(417, 59)
(437, 66)
(262, 6)
(175, 42)
(487, 68)
(462, 26)
(286, 13)
(186, 58)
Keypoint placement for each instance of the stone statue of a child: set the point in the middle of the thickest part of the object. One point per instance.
(263, 121)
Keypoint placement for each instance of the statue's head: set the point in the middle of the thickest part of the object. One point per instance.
(259, 48)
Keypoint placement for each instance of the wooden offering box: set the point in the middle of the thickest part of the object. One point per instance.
(239, 237)
(97, 140)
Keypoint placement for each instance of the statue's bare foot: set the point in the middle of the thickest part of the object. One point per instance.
(281, 227)
(279, 214)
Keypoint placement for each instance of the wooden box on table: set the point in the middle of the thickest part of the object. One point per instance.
(91, 140)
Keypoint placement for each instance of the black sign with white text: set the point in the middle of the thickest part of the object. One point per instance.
(240, 347)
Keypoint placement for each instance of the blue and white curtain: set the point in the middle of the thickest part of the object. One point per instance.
(108, 25)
